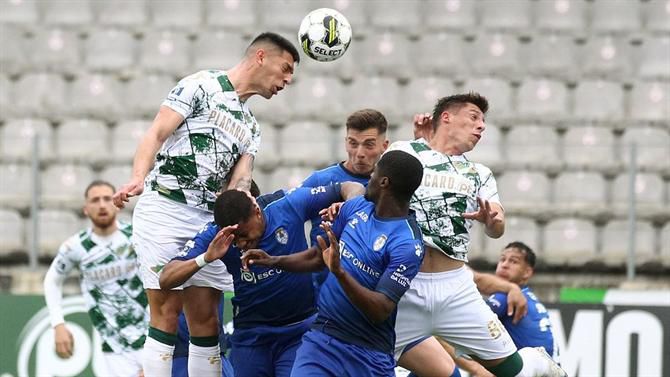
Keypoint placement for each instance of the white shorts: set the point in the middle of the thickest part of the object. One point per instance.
(161, 228)
(448, 305)
(125, 364)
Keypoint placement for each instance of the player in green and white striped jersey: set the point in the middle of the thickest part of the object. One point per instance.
(110, 284)
(202, 141)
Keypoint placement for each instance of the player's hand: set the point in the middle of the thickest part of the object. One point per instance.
(64, 341)
(330, 253)
(423, 126)
(516, 304)
(219, 246)
(127, 191)
(256, 257)
(330, 213)
(485, 215)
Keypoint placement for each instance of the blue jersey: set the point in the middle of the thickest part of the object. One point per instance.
(383, 255)
(533, 330)
(335, 173)
(270, 296)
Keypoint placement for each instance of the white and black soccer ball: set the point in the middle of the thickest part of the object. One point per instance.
(324, 34)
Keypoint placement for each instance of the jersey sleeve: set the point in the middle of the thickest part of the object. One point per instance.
(404, 262)
(498, 304)
(198, 244)
(489, 189)
(184, 97)
(64, 262)
(311, 181)
(308, 201)
(254, 143)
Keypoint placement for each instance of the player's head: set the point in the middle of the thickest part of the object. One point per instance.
(273, 59)
(460, 118)
(239, 207)
(365, 140)
(98, 205)
(516, 263)
(397, 174)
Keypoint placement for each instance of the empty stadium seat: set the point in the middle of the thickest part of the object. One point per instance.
(591, 147)
(378, 93)
(665, 244)
(517, 228)
(654, 59)
(83, 140)
(110, 50)
(98, 96)
(386, 54)
(401, 132)
(13, 55)
(499, 94)
(268, 153)
(598, 101)
(488, 149)
(542, 100)
(119, 175)
(17, 139)
(126, 137)
(69, 13)
(286, 177)
(532, 146)
(510, 15)
(569, 241)
(6, 95)
(55, 50)
(231, 14)
(12, 237)
(283, 15)
(564, 16)
(356, 13)
(652, 150)
(208, 46)
(306, 143)
(41, 94)
(403, 16)
(552, 56)
(318, 98)
(523, 191)
(656, 14)
(650, 102)
(495, 54)
(16, 185)
(440, 54)
(277, 110)
(581, 191)
(146, 93)
(422, 92)
(606, 57)
(615, 241)
(165, 51)
(20, 12)
(615, 16)
(649, 193)
(452, 15)
(122, 13)
(55, 226)
(176, 14)
(62, 186)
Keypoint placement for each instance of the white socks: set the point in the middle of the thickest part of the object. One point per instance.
(157, 358)
(203, 361)
(537, 363)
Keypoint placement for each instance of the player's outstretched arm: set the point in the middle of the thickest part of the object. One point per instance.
(177, 272)
(241, 177)
(376, 306)
(166, 121)
(305, 261)
(488, 284)
(53, 294)
(350, 190)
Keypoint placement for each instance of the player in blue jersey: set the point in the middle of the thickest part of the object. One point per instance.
(364, 142)
(271, 309)
(516, 264)
(371, 266)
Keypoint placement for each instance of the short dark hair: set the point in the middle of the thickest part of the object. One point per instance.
(276, 40)
(404, 172)
(365, 119)
(528, 253)
(95, 183)
(455, 102)
(232, 207)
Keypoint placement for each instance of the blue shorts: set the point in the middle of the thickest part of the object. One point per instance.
(322, 355)
(266, 350)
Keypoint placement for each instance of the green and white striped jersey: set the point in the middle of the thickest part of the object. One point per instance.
(450, 187)
(217, 129)
(112, 289)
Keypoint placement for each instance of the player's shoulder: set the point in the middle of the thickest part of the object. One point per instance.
(78, 242)
(202, 76)
(321, 176)
(125, 227)
(481, 169)
(266, 199)
(208, 231)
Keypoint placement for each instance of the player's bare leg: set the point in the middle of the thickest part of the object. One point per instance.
(428, 359)
(201, 305)
(164, 308)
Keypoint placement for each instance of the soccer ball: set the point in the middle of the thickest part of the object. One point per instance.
(324, 34)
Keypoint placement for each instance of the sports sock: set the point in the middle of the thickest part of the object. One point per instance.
(536, 362)
(455, 373)
(157, 353)
(512, 365)
(204, 357)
